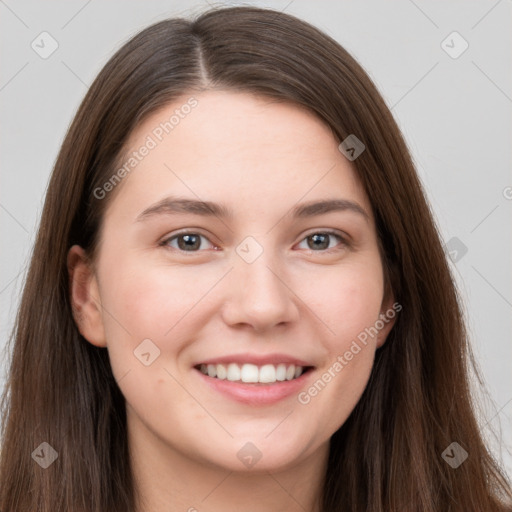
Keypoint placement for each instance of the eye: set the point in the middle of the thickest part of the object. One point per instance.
(192, 242)
(187, 242)
(321, 240)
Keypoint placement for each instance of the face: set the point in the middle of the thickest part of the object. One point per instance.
(246, 329)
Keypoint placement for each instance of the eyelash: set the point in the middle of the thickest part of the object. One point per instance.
(344, 243)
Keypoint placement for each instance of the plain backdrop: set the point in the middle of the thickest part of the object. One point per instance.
(451, 94)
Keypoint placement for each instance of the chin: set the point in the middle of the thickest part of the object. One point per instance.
(262, 452)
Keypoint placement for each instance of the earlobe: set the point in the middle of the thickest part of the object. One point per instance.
(387, 316)
(85, 297)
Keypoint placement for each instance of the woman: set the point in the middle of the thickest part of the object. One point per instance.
(238, 297)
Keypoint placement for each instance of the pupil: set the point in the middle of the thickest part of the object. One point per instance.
(323, 244)
(320, 240)
(187, 245)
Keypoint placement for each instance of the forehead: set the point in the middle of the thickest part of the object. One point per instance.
(238, 148)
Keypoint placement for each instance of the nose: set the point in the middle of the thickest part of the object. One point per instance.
(259, 296)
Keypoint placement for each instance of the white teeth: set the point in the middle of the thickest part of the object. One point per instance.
(233, 372)
(250, 373)
(222, 372)
(267, 373)
(290, 372)
(281, 372)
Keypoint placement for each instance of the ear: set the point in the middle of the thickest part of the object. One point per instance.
(388, 313)
(85, 297)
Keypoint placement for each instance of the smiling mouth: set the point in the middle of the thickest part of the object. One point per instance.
(253, 374)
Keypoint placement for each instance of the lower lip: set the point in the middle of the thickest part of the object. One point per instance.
(256, 394)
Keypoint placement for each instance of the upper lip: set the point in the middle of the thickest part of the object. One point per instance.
(256, 359)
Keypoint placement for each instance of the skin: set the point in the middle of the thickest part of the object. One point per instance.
(260, 158)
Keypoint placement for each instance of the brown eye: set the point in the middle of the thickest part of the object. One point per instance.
(187, 242)
(322, 240)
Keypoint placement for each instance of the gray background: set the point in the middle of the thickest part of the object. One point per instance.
(454, 113)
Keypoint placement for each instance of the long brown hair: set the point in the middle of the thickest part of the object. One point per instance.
(61, 390)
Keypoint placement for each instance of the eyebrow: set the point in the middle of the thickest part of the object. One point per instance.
(176, 205)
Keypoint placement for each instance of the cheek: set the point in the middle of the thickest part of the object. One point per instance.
(149, 302)
(347, 299)
(351, 308)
